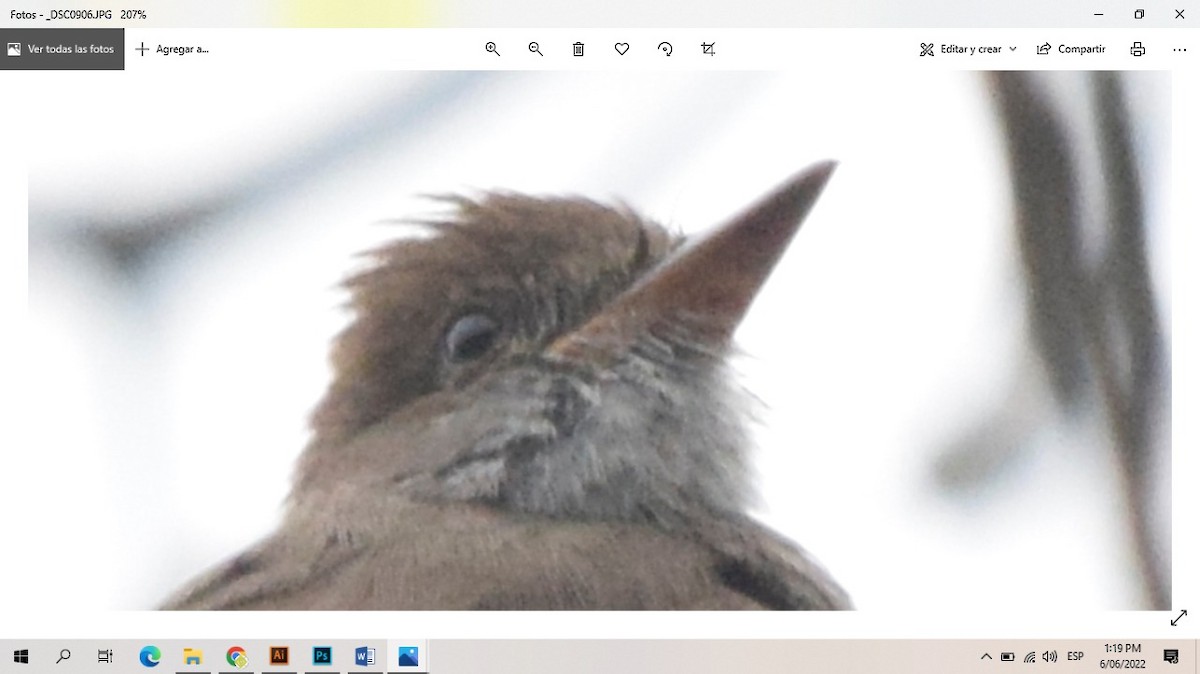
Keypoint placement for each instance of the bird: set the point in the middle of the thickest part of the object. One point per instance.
(532, 408)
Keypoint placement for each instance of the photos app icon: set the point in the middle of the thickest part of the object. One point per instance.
(409, 656)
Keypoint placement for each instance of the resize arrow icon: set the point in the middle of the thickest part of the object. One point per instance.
(1176, 621)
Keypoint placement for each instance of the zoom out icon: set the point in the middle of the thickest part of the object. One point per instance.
(150, 656)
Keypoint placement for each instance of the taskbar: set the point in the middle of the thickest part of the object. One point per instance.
(582, 656)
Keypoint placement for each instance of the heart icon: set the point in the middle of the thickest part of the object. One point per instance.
(621, 47)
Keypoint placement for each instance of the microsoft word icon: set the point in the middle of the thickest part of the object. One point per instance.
(364, 656)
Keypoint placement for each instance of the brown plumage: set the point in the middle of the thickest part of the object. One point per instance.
(531, 411)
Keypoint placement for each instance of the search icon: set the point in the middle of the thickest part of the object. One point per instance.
(491, 46)
(64, 654)
(533, 47)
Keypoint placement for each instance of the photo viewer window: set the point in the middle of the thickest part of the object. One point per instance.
(449, 336)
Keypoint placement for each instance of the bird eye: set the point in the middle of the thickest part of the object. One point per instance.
(470, 337)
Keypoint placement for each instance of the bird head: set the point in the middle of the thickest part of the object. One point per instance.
(552, 356)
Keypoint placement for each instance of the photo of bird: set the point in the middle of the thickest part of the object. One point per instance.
(531, 410)
(285, 369)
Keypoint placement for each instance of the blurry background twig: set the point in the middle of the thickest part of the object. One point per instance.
(1093, 323)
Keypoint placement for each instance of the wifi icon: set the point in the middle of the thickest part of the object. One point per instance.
(1031, 657)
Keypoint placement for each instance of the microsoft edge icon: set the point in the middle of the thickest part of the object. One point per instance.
(150, 656)
(408, 656)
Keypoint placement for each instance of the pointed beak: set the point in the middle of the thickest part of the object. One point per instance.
(705, 287)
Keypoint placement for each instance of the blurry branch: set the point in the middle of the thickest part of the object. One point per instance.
(1124, 329)
(1092, 317)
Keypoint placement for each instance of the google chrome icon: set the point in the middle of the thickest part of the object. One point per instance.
(236, 656)
(150, 656)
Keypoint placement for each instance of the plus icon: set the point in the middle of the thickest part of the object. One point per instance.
(142, 48)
